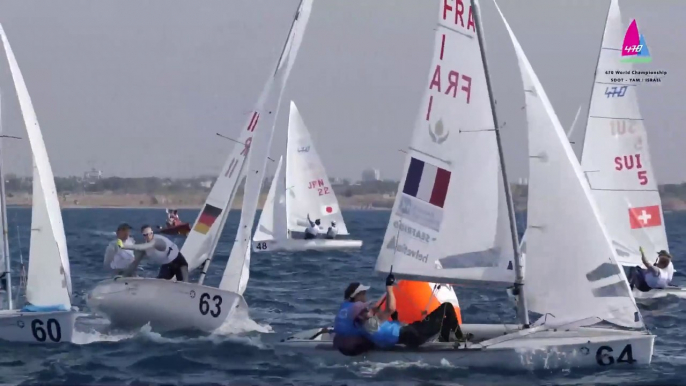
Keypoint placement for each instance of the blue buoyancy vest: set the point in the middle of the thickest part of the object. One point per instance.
(344, 324)
(387, 335)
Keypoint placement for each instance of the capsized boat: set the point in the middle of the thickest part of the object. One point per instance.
(48, 316)
(454, 190)
(169, 305)
(305, 191)
(616, 161)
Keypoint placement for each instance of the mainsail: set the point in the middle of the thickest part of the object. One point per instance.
(616, 158)
(239, 260)
(49, 278)
(450, 219)
(309, 189)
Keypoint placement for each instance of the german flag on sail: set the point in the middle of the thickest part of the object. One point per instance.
(207, 217)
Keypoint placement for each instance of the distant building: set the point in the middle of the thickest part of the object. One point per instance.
(92, 175)
(370, 175)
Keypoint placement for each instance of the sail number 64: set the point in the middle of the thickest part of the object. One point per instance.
(604, 356)
(204, 305)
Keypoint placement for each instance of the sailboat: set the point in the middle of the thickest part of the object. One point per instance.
(616, 160)
(168, 305)
(48, 316)
(305, 192)
(576, 288)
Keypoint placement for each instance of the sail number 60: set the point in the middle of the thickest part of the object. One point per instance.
(204, 305)
(604, 356)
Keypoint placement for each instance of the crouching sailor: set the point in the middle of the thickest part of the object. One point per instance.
(358, 329)
(163, 251)
(117, 260)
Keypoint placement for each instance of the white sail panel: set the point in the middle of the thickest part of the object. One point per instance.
(449, 221)
(239, 260)
(272, 224)
(49, 278)
(571, 268)
(616, 158)
(309, 188)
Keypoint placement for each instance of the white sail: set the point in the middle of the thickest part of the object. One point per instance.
(573, 125)
(239, 259)
(309, 188)
(449, 221)
(205, 234)
(616, 158)
(571, 268)
(272, 224)
(49, 278)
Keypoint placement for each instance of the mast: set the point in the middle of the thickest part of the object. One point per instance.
(247, 156)
(595, 75)
(5, 239)
(522, 311)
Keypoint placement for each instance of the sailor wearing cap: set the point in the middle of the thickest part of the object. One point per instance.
(119, 260)
(332, 232)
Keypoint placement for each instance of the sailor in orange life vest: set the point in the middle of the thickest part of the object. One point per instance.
(359, 329)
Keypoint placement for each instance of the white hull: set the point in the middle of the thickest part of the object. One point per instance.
(546, 349)
(37, 327)
(132, 303)
(295, 245)
(679, 292)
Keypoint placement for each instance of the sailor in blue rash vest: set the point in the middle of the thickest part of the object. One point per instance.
(359, 329)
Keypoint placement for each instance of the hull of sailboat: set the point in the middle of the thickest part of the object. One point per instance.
(131, 303)
(545, 350)
(181, 229)
(37, 327)
(295, 245)
(642, 297)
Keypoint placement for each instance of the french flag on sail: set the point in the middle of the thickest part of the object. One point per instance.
(427, 182)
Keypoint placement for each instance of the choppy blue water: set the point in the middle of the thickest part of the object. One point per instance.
(287, 293)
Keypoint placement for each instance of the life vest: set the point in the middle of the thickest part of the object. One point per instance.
(344, 324)
(387, 335)
(332, 232)
(416, 299)
(163, 251)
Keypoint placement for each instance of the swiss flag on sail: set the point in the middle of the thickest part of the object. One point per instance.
(645, 216)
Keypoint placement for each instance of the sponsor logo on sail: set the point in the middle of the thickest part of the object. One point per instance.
(405, 250)
(437, 133)
(303, 149)
(414, 232)
(420, 212)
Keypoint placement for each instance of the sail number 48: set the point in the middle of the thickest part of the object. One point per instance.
(604, 356)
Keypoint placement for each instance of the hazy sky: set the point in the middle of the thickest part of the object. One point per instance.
(139, 88)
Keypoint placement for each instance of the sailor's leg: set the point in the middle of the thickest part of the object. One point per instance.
(165, 272)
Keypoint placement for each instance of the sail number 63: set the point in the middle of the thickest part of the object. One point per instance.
(204, 305)
(604, 356)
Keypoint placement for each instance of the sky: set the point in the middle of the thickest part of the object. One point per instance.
(140, 88)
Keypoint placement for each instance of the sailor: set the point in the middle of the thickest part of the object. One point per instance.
(355, 321)
(654, 276)
(313, 230)
(170, 218)
(163, 251)
(119, 260)
(175, 218)
(332, 232)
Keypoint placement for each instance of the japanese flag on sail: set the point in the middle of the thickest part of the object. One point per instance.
(645, 216)
(329, 209)
(427, 182)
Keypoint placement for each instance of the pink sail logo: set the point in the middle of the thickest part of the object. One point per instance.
(635, 49)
